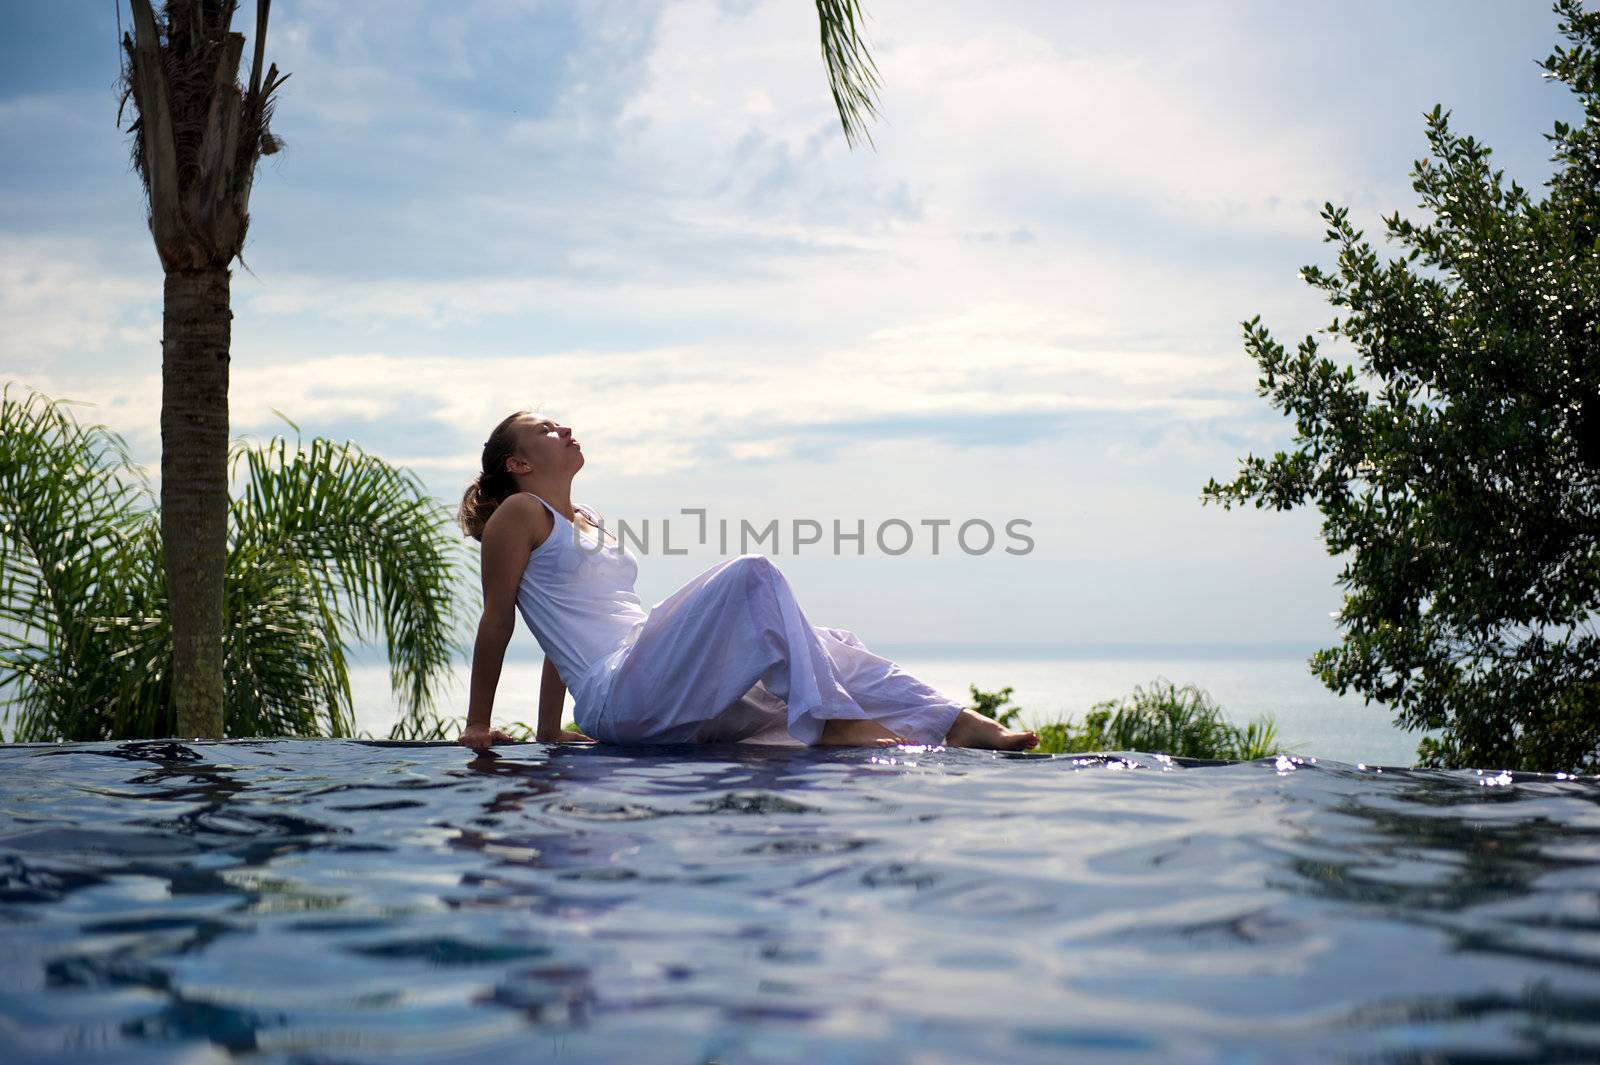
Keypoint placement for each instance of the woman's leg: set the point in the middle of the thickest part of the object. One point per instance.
(705, 646)
(907, 706)
(893, 697)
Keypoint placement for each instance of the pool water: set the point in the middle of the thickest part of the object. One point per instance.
(340, 901)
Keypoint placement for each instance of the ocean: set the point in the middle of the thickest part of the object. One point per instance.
(1048, 683)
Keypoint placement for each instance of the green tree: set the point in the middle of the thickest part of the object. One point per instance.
(326, 544)
(1455, 457)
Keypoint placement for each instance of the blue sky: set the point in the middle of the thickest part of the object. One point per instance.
(643, 217)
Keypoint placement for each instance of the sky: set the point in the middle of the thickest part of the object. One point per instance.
(1022, 303)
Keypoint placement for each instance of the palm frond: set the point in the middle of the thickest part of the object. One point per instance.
(852, 74)
(284, 667)
(326, 544)
(369, 538)
(199, 134)
(77, 610)
(431, 726)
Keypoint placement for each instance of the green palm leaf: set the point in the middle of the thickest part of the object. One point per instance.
(78, 612)
(327, 544)
(284, 672)
(367, 545)
(852, 74)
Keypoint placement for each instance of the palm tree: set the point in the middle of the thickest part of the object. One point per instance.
(325, 543)
(197, 139)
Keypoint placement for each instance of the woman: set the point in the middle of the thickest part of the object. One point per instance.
(726, 657)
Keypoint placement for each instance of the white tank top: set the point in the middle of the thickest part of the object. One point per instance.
(577, 597)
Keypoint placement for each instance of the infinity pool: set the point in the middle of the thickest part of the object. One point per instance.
(331, 901)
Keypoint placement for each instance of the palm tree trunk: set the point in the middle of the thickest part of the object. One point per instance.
(196, 328)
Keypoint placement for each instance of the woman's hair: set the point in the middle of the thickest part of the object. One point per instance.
(494, 484)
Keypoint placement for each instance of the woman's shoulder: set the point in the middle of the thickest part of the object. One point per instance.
(519, 516)
(521, 499)
(522, 503)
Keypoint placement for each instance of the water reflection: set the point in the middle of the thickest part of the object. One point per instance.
(348, 901)
(1427, 843)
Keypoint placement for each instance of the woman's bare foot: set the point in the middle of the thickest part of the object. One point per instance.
(972, 729)
(849, 732)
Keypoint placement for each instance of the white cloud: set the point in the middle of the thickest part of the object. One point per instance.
(989, 119)
(27, 110)
(664, 409)
(58, 300)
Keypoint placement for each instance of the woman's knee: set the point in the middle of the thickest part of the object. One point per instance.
(844, 636)
(756, 569)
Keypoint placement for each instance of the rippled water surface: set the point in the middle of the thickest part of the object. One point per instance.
(324, 901)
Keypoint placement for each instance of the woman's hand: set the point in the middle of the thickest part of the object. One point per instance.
(482, 737)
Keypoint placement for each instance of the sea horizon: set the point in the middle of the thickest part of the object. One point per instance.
(522, 648)
(1049, 682)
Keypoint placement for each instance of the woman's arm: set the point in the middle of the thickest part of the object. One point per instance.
(509, 537)
(552, 699)
(488, 657)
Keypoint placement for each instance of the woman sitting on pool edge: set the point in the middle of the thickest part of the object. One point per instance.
(726, 657)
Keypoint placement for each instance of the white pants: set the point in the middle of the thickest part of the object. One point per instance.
(730, 656)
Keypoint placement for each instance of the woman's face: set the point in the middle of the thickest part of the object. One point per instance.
(546, 446)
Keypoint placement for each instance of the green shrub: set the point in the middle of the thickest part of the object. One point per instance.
(989, 704)
(1160, 719)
